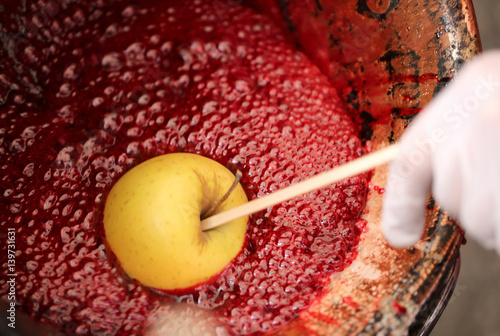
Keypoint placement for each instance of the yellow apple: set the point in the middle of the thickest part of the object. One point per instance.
(152, 221)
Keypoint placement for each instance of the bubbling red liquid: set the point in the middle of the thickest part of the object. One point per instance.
(90, 90)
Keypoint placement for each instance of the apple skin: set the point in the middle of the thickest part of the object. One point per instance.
(152, 221)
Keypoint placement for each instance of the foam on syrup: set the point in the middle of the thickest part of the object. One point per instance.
(93, 89)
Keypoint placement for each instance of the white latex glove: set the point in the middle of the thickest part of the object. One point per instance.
(452, 149)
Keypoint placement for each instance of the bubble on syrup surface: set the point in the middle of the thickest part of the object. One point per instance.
(31, 265)
(29, 169)
(242, 86)
(144, 99)
(111, 31)
(67, 114)
(112, 61)
(66, 158)
(71, 72)
(65, 90)
(128, 12)
(135, 52)
(97, 101)
(15, 208)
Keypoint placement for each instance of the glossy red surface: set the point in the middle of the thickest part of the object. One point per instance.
(93, 90)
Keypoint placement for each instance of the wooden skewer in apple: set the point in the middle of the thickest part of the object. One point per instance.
(324, 179)
(152, 216)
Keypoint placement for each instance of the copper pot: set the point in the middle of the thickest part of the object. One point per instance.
(388, 59)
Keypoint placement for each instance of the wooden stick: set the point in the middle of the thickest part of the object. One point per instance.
(318, 181)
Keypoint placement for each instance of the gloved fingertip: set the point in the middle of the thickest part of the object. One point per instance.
(398, 238)
(403, 222)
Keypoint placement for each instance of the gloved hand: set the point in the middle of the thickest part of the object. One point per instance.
(452, 149)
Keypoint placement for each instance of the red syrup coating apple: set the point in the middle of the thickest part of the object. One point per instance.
(89, 90)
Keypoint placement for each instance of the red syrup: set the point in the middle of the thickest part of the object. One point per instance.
(90, 90)
(398, 308)
(378, 189)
